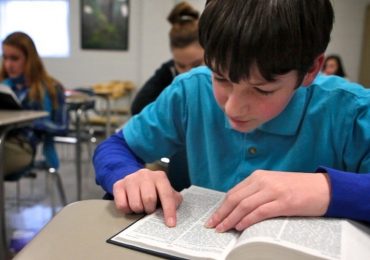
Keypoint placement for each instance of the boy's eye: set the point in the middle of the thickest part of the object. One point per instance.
(264, 92)
(219, 78)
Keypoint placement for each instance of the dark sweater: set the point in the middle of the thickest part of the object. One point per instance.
(154, 86)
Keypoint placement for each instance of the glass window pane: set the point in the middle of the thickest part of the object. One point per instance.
(45, 21)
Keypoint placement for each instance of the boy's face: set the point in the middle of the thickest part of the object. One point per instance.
(252, 102)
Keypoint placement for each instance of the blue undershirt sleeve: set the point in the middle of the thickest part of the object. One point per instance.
(113, 159)
(350, 194)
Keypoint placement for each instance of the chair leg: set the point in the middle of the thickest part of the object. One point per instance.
(58, 181)
(32, 187)
(60, 188)
(52, 193)
(90, 144)
(18, 195)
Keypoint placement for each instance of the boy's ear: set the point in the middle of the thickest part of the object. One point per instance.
(313, 71)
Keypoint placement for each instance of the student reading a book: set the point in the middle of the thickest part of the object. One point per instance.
(23, 71)
(186, 54)
(259, 122)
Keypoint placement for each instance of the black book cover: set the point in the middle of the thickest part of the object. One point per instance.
(8, 100)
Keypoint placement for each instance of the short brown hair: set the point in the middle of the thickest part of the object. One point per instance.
(276, 35)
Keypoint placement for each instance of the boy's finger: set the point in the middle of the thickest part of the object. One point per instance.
(244, 208)
(120, 200)
(148, 196)
(230, 202)
(134, 198)
(219, 215)
(265, 211)
(169, 210)
(170, 202)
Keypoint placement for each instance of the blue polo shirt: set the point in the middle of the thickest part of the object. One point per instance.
(326, 124)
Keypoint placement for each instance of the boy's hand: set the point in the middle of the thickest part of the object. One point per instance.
(268, 194)
(139, 192)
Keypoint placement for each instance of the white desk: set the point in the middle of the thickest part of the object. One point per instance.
(10, 120)
(80, 231)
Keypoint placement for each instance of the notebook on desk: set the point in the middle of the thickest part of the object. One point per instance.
(8, 99)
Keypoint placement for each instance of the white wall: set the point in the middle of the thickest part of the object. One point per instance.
(148, 44)
(155, 28)
(148, 47)
(85, 67)
(348, 33)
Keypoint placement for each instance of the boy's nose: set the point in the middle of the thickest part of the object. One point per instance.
(237, 105)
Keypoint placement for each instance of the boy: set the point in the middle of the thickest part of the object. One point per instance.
(254, 124)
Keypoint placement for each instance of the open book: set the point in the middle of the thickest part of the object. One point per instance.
(279, 238)
(8, 100)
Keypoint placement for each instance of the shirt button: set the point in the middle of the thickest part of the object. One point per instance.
(252, 150)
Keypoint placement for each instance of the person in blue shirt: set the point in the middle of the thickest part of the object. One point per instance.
(259, 122)
(23, 71)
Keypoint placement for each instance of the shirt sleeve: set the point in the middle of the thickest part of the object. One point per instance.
(350, 196)
(113, 160)
(57, 121)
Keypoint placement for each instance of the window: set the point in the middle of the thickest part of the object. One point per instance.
(45, 21)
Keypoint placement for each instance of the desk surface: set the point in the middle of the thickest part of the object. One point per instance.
(8, 117)
(77, 97)
(80, 231)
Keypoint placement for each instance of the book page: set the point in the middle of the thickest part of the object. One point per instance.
(318, 237)
(355, 240)
(189, 237)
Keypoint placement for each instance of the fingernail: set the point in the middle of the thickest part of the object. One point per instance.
(220, 228)
(209, 223)
(171, 222)
(239, 227)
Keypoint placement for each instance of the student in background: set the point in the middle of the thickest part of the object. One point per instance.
(333, 66)
(23, 71)
(186, 54)
(259, 122)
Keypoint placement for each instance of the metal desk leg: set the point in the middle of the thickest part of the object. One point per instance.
(4, 251)
(108, 123)
(78, 153)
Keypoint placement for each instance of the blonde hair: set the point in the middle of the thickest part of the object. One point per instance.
(184, 19)
(35, 74)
